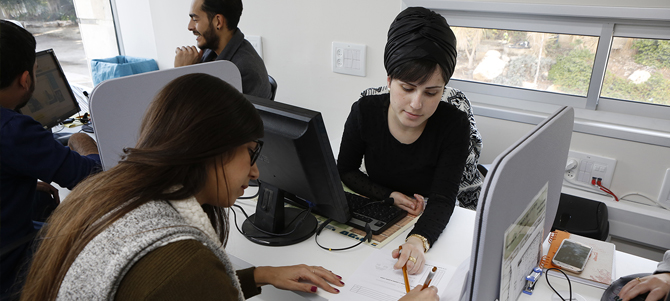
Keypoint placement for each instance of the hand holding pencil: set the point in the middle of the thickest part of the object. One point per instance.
(412, 257)
(420, 292)
(416, 294)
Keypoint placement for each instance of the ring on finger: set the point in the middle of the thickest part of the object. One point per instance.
(412, 259)
(638, 279)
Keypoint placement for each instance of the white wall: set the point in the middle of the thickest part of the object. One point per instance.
(297, 37)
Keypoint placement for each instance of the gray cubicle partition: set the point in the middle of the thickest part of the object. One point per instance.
(514, 179)
(118, 105)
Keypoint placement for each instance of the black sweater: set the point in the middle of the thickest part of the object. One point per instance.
(431, 166)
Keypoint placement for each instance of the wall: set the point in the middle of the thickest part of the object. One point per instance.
(297, 37)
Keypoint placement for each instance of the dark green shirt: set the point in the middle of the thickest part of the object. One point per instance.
(183, 270)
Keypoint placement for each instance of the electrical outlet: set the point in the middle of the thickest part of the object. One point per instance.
(349, 58)
(581, 168)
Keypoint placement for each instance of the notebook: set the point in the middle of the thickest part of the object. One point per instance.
(599, 270)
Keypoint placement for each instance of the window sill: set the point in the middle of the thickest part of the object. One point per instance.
(645, 225)
(648, 130)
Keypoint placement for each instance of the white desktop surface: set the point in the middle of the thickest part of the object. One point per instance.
(452, 248)
(626, 264)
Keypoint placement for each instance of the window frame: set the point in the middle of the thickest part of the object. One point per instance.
(615, 118)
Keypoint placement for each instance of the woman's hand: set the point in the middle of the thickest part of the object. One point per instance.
(657, 285)
(413, 248)
(46, 187)
(412, 206)
(301, 277)
(430, 293)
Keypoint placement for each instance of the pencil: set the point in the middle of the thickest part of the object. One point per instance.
(404, 273)
(429, 278)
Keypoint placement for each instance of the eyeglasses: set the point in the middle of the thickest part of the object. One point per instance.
(256, 152)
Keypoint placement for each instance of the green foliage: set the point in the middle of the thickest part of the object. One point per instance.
(652, 52)
(7, 3)
(39, 10)
(655, 90)
(573, 71)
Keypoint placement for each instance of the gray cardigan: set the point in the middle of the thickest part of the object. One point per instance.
(98, 270)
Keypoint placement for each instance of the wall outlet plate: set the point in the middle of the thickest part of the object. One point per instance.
(581, 168)
(664, 195)
(257, 42)
(349, 58)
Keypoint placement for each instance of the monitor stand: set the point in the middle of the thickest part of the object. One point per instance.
(276, 225)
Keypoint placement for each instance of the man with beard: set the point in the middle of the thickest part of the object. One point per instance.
(214, 23)
(28, 153)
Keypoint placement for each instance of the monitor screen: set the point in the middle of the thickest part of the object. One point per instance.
(511, 185)
(53, 100)
(296, 165)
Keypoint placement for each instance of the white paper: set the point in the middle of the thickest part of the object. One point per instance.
(376, 280)
(522, 245)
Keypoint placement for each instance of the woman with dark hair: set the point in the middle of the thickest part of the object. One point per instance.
(417, 136)
(155, 225)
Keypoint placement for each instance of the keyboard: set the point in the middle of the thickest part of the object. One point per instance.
(378, 216)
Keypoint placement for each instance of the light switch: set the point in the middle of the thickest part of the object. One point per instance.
(257, 42)
(348, 58)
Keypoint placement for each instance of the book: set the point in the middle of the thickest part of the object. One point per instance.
(599, 269)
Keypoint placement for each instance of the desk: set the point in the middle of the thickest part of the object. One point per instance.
(452, 248)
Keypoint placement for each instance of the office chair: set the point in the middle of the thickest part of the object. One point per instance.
(273, 87)
(472, 180)
(582, 216)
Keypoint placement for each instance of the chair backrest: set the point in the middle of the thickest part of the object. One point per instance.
(273, 87)
(471, 182)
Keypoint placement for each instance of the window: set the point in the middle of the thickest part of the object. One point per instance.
(638, 70)
(519, 61)
(76, 30)
(542, 61)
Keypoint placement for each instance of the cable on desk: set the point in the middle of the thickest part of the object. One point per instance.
(303, 213)
(546, 276)
(368, 230)
(368, 236)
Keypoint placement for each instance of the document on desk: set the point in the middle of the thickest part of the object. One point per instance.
(376, 280)
(522, 247)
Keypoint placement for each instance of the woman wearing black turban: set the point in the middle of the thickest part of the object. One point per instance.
(415, 145)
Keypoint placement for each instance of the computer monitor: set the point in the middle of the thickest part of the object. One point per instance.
(53, 100)
(296, 165)
(511, 184)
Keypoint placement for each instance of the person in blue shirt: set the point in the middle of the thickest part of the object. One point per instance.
(30, 157)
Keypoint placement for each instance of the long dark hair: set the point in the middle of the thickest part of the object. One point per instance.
(195, 120)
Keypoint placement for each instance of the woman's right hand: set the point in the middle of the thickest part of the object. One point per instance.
(430, 293)
(658, 286)
(298, 278)
(412, 206)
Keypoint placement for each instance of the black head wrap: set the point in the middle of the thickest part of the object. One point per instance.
(419, 33)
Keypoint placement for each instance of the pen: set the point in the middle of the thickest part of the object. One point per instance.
(404, 273)
(429, 278)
